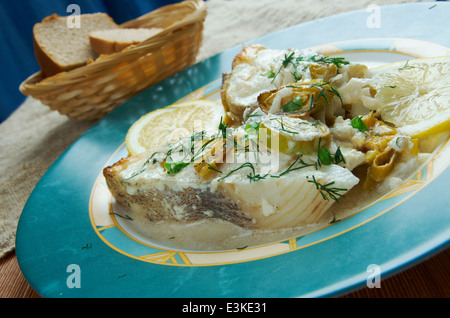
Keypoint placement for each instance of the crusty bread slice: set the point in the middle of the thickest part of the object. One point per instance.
(59, 47)
(115, 40)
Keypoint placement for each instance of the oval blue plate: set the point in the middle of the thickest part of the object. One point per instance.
(70, 245)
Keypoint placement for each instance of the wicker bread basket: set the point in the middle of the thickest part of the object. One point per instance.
(91, 91)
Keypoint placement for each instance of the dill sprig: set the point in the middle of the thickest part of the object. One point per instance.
(257, 177)
(338, 61)
(126, 216)
(334, 220)
(199, 154)
(293, 168)
(252, 176)
(323, 86)
(288, 60)
(325, 157)
(406, 66)
(284, 129)
(253, 115)
(327, 191)
(215, 169)
(244, 165)
(338, 156)
(175, 167)
(222, 128)
(295, 61)
(144, 166)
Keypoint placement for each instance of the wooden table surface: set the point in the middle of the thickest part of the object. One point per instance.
(428, 279)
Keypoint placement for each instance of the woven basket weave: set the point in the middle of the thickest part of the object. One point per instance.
(91, 91)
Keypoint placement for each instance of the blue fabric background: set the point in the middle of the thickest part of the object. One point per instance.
(16, 38)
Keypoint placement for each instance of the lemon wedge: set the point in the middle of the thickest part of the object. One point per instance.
(163, 126)
(414, 95)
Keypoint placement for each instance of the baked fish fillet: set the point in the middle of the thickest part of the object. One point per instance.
(257, 69)
(283, 193)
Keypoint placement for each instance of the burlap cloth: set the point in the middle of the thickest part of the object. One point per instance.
(33, 137)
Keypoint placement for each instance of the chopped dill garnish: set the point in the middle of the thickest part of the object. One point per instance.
(321, 92)
(284, 129)
(126, 217)
(212, 168)
(175, 167)
(334, 220)
(292, 168)
(338, 156)
(87, 246)
(296, 76)
(223, 128)
(295, 61)
(406, 66)
(330, 89)
(201, 151)
(244, 165)
(253, 115)
(327, 191)
(338, 61)
(325, 157)
(289, 131)
(288, 60)
(333, 90)
(252, 176)
(256, 177)
(144, 166)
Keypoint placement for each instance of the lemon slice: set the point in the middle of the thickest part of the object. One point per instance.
(167, 125)
(414, 95)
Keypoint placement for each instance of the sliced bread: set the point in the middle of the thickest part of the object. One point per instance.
(115, 40)
(59, 47)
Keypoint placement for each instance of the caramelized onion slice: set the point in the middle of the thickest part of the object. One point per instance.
(297, 100)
